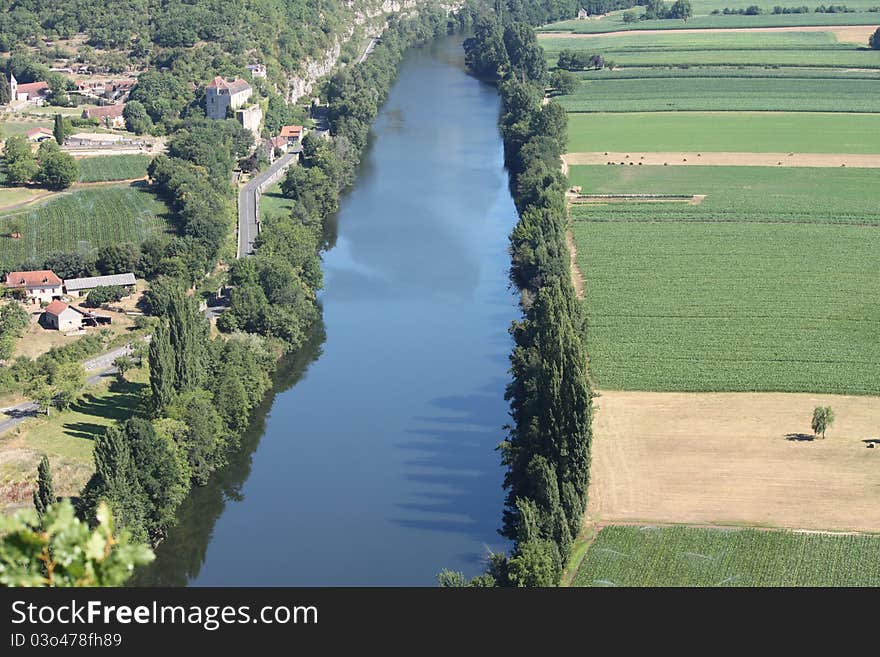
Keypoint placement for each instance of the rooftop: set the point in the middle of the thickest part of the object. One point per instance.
(56, 308)
(291, 131)
(32, 278)
(233, 87)
(90, 282)
(107, 111)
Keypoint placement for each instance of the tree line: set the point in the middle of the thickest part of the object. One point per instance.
(547, 450)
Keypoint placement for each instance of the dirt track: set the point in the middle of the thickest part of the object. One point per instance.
(862, 161)
(847, 33)
(735, 458)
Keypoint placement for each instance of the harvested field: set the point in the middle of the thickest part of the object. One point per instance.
(853, 160)
(844, 33)
(735, 459)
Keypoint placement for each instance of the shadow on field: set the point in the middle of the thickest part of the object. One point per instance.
(800, 437)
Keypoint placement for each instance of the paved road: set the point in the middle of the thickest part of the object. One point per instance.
(96, 368)
(248, 228)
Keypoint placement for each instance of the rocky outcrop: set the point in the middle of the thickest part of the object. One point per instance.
(301, 83)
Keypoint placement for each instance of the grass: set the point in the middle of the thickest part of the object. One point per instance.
(732, 306)
(771, 132)
(273, 202)
(83, 221)
(681, 556)
(21, 127)
(113, 167)
(615, 22)
(734, 193)
(710, 93)
(67, 438)
(71, 434)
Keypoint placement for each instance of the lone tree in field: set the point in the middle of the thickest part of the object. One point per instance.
(874, 40)
(823, 417)
(122, 364)
(44, 495)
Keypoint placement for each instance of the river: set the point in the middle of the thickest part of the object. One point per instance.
(373, 461)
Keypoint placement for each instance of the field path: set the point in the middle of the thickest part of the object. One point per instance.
(861, 161)
(735, 459)
(847, 33)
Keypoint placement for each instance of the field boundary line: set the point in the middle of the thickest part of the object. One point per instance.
(723, 158)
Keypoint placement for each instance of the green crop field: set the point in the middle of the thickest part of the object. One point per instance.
(690, 306)
(758, 72)
(736, 193)
(681, 556)
(801, 49)
(82, 221)
(113, 167)
(710, 93)
(770, 132)
(614, 22)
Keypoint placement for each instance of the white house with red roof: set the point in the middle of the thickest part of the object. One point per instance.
(40, 134)
(292, 134)
(109, 116)
(32, 92)
(41, 286)
(222, 95)
(58, 315)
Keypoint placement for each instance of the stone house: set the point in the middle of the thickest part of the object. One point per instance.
(41, 286)
(222, 95)
(58, 315)
(109, 116)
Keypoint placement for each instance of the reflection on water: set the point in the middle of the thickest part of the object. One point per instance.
(180, 557)
(378, 467)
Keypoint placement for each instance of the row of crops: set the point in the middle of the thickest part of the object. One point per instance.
(768, 132)
(681, 556)
(734, 193)
(724, 94)
(82, 222)
(615, 22)
(113, 167)
(732, 307)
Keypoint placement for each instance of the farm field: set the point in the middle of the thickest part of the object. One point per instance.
(691, 306)
(733, 193)
(614, 22)
(734, 459)
(801, 49)
(770, 132)
(82, 221)
(720, 72)
(113, 167)
(682, 556)
(724, 94)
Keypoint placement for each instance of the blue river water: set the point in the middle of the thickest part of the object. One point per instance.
(373, 462)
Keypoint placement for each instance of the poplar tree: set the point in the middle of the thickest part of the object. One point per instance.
(44, 495)
(58, 130)
(188, 336)
(162, 370)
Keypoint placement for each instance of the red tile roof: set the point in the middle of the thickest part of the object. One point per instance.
(56, 308)
(37, 278)
(108, 111)
(233, 87)
(38, 131)
(288, 131)
(32, 87)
